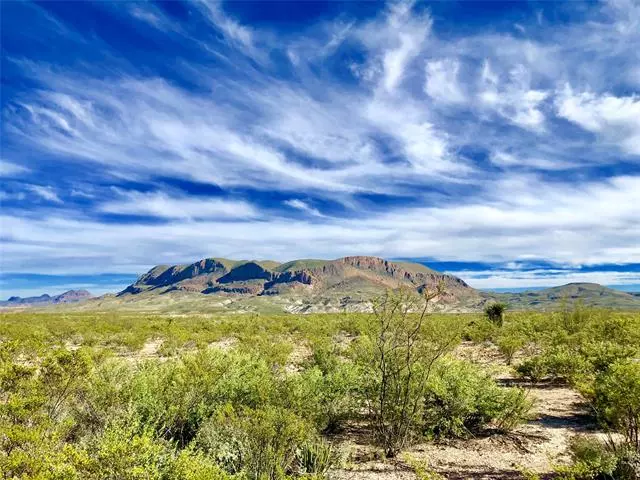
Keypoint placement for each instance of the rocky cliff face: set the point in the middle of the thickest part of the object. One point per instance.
(346, 276)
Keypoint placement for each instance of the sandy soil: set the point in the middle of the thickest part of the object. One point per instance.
(150, 350)
(225, 344)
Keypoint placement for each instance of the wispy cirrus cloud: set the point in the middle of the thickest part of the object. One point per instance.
(303, 206)
(8, 169)
(442, 81)
(161, 205)
(615, 119)
(45, 192)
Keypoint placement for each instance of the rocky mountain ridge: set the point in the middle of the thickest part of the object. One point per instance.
(342, 276)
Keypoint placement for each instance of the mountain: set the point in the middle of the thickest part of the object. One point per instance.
(348, 279)
(71, 296)
(590, 294)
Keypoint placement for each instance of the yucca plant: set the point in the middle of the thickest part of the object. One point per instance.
(495, 312)
(315, 458)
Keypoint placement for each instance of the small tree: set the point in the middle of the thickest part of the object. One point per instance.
(399, 354)
(495, 312)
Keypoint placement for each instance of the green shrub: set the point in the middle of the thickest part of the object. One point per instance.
(593, 459)
(617, 400)
(533, 368)
(327, 393)
(34, 411)
(480, 330)
(256, 443)
(177, 396)
(600, 355)
(422, 470)
(125, 453)
(565, 365)
(462, 399)
(104, 397)
(558, 363)
(194, 465)
(511, 340)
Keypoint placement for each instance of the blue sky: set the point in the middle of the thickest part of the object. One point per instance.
(498, 141)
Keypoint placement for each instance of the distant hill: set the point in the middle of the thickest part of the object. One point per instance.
(590, 294)
(71, 296)
(345, 280)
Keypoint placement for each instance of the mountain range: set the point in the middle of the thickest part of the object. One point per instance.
(70, 296)
(311, 285)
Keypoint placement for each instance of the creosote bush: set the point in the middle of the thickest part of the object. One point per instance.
(616, 400)
(257, 443)
(461, 400)
(595, 459)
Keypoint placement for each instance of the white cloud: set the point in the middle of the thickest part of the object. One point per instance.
(509, 160)
(421, 143)
(161, 205)
(236, 33)
(394, 41)
(513, 99)
(303, 206)
(442, 81)
(395, 61)
(329, 129)
(8, 169)
(47, 193)
(163, 130)
(148, 16)
(159, 130)
(12, 196)
(616, 119)
(82, 194)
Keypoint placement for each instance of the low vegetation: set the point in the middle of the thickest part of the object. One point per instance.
(113, 396)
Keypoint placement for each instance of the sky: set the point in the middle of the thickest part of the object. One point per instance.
(496, 141)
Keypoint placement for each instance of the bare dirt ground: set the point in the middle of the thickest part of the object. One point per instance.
(537, 446)
(225, 344)
(150, 350)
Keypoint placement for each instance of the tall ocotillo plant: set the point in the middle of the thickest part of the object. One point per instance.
(399, 353)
